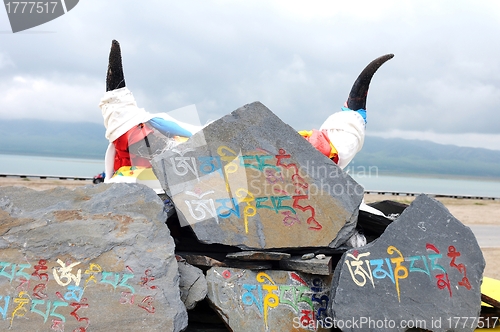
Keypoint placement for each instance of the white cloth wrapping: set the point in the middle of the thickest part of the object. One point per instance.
(120, 114)
(346, 131)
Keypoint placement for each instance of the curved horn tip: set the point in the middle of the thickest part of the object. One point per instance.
(386, 57)
(375, 64)
(359, 90)
(115, 78)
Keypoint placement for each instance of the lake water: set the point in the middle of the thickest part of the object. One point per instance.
(71, 167)
(431, 185)
(54, 166)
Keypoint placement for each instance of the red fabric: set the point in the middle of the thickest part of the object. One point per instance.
(123, 157)
(319, 139)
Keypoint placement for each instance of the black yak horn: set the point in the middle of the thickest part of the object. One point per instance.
(114, 78)
(359, 90)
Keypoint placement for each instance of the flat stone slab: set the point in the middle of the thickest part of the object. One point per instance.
(200, 260)
(426, 269)
(278, 301)
(250, 180)
(249, 265)
(96, 258)
(312, 266)
(258, 255)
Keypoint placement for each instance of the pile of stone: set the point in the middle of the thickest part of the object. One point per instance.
(257, 242)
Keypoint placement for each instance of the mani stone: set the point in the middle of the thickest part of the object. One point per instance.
(426, 269)
(272, 300)
(96, 258)
(250, 180)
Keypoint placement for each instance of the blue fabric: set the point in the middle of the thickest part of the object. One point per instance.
(169, 128)
(361, 112)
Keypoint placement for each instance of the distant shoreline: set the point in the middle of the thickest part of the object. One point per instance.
(439, 176)
(100, 157)
(50, 155)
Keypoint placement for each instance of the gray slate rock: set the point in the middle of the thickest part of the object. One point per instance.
(425, 269)
(96, 257)
(249, 265)
(200, 260)
(250, 180)
(272, 300)
(193, 285)
(313, 265)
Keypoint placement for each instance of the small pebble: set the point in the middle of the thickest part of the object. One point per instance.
(308, 256)
(320, 256)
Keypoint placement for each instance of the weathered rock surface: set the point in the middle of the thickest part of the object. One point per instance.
(250, 265)
(96, 258)
(250, 180)
(425, 269)
(321, 266)
(200, 260)
(278, 301)
(192, 283)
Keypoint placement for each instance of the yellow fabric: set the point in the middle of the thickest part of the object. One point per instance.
(334, 151)
(305, 133)
(138, 172)
(490, 287)
(180, 139)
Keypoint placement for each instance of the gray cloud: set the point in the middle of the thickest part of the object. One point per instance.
(299, 60)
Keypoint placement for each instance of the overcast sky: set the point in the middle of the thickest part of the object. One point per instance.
(299, 58)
